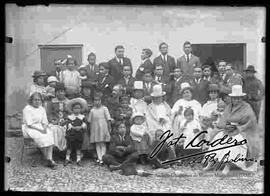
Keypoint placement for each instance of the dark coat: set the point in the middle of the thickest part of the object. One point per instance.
(187, 67)
(168, 66)
(106, 86)
(116, 141)
(200, 91)
(116, 69)
(129, 85)
(146, 65)
(92, 75)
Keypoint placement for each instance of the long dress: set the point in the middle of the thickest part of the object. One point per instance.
(176, 119)
(36, 117)
(98, 119)
(154, 113)
(245, 118)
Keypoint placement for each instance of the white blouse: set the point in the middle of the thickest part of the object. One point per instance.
(34, 116)
(195, 106)
(188, 132)
(136, 130)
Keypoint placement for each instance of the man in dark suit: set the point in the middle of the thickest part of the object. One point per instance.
(167, 61)
(188, 61)
(58, 69)
(162, 79)
(116, 64)
(175, 85)
(105, 81)
(200, 86)
(127, 81)
(92, 68)
(121, 150)
(145, 65)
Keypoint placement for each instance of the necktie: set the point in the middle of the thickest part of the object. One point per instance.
(164, 59)
(120, 61)
(188, 58)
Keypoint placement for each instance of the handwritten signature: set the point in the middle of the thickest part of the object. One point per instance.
(167, 138)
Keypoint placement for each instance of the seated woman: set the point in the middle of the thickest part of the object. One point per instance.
(209, 111)
(35, 126)
(181, 105)
(238, 122)
(57, 113)
(121, 150)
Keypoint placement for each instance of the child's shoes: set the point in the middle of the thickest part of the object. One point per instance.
(67, 162)
(79, 163)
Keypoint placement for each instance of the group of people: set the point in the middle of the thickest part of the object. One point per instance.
(124, 118)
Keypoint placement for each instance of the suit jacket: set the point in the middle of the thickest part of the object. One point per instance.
(92, 75)
(168, 66)
(200, 91)
(174, 89)
(146, 65)
(105, 86)
(116, 141)
(128, 86)
(116, 69)
(187, 67)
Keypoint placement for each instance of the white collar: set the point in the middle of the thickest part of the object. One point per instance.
(73, 116)
(189, 55)
(118, 59)
(143, 61)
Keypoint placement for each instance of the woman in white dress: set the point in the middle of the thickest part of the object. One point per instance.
(181, 105)
(35, 126)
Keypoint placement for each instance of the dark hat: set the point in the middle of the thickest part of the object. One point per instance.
(251, 69)
(213, 87)
(38, 73)
(59, 86)
(86, 84)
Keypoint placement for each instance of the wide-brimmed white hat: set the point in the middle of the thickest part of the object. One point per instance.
(52, 79)
(138, 85)
(185, 86)
(79, 100)
(157, 91)
(237, 91)
(136, 114)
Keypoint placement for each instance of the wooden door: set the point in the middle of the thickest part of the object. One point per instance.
(48, 53)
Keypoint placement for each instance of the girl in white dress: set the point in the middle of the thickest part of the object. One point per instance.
(35, 126)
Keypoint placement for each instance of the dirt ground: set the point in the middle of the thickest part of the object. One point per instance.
(94, 178)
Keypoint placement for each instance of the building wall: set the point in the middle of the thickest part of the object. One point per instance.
(101, 28)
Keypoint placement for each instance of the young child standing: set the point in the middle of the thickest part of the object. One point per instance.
(124, 112)
(148, 83)
(100, 126)
(138, 133)
(127, 81)
(83, 73)
(76, 125)
(137, 102)
(71, 79)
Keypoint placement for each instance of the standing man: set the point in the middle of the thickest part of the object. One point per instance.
(92, 68)
(188, 61)
(221, 69)
(254, 89)
(57, 72)
(116, 64)
(167, 61)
